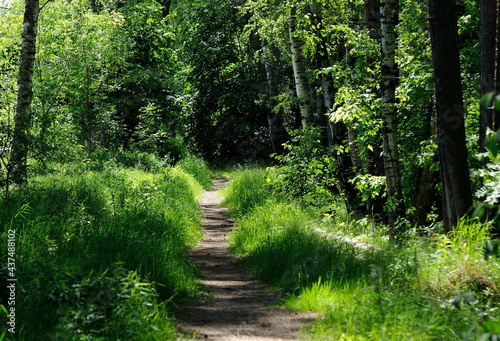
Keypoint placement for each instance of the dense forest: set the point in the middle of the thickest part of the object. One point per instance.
(112, 112)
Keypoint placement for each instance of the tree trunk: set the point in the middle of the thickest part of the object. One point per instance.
(166, 4)
(426, 188)
(300, 76)
(325, 102)
(22, 120)
(489, 65)
(496, 117)
(452, 150)
(372, 23)
(277, 132)
(389, 18)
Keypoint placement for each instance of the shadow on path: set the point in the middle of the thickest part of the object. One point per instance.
(238, 308)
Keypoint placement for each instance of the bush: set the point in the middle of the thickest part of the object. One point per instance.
(308, 171)
(111, 304)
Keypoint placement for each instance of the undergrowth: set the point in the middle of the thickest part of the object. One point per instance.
(440, 287)
(101, 254)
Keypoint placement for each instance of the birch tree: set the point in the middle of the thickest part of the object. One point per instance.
(389, 18)
(23, 115)
(299, 71)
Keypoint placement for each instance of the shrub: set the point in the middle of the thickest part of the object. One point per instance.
(308, 171)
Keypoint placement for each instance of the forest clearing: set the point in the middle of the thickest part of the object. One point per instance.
(249, 170)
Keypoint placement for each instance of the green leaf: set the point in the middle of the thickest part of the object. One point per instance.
(496, 103)
(487, 99)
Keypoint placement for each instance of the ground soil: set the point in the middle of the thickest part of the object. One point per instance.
(236, 307)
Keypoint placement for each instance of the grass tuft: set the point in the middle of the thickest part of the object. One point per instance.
(247, 189)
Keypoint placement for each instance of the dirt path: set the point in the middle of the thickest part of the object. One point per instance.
(238, 308)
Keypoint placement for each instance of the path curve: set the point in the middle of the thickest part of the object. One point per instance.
(238, 308)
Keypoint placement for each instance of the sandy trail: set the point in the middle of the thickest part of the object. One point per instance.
(238, 308)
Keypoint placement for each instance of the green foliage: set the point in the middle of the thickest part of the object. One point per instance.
(112, 304)
(442, 289)
(97, 251)
(489, 193)
(80, 57)
(370, 186)
(308, 170)
(222, 82)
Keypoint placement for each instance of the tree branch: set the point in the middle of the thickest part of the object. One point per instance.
(46, 2)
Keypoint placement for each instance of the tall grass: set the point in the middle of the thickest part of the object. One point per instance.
(198, 168)
(97, 253)
(434, 288)
(247, 189)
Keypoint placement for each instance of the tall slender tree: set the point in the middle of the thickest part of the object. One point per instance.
(452, 150)
(322, 60)
(389, 10)
(299, 71)
(489, 118)
(22, 120)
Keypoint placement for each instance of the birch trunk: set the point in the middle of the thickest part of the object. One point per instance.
(389, 18)
(23, 116)
(300, 76)
(452, 150)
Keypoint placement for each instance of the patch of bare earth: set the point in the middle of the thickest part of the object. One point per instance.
(237, 308)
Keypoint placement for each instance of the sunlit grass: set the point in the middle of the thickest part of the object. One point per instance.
(99, 251)
(438, 287)
(247, 189)
(198, 168)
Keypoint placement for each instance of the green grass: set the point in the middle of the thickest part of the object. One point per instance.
(426, 288)
(100, 253)
(198, 168)
(247, 189)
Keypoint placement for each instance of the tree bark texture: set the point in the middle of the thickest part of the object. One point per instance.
(496, 114)
(300, 76)
(452, 150)
(23, 115)
(489, 118)
(389, 18)
(426, 188)
(275, 120)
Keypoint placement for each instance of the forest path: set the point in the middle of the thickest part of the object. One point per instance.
(237, 308)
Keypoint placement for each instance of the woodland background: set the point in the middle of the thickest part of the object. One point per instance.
(387, 110)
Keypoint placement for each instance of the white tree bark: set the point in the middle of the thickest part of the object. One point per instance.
(389, 18)
(300, 76)
(22, 118)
